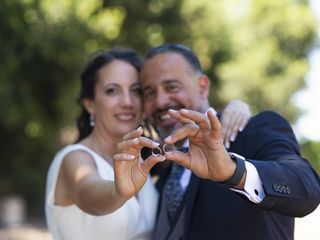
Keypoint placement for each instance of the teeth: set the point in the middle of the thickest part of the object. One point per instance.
(125, 117)
(165, 117)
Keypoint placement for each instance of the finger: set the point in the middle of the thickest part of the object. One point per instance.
(244, 123)
(133, 134)
(176, 115)
(179, 157)
(215, 125)
(133, 146)
(149, 163)
(147, 142)
(190, 117)
(128, 144)
(187, 131)
(233, 128)
(227, 144)
(225, 124)
(199, 118)
(123, 157)
(238, 126)
(228, 134)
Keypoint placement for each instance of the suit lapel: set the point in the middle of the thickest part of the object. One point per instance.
(190, 198)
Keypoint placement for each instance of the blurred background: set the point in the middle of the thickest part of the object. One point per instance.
(265, 52)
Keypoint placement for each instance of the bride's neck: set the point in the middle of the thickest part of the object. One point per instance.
(104, 145)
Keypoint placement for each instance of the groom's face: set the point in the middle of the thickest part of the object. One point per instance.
(168, 82)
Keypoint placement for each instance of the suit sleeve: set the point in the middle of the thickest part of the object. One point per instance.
(291, 186)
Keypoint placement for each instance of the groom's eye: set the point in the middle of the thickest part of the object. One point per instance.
(172, 87)
(149, 94)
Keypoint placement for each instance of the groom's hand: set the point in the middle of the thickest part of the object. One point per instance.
(207, 156)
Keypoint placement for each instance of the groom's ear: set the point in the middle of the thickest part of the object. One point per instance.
(204, 85)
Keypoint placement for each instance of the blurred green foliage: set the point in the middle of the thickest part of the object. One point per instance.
(252, 50)
(310, 150)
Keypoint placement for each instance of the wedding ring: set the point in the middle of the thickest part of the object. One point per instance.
(168, 148)
(156, 151)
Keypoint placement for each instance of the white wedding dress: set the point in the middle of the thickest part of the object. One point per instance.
(134, 220)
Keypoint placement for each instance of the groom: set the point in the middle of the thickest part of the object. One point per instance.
(253, 194)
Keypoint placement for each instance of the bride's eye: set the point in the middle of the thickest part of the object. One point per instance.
(111, 91)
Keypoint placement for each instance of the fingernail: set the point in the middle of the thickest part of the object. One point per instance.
(232, 138)
(212, 111)
(161, 158)
(168, 139)
(240, 129)
(227, 144)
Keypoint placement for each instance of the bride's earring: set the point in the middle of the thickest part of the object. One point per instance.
(92, 120)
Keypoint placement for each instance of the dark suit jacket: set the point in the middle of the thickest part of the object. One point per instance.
(292, 189)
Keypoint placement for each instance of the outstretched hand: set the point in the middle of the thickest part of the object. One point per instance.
(130, 170)
(207, 156)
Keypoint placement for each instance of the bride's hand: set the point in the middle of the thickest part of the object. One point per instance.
(130, 170)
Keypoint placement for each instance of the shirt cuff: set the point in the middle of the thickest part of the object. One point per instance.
(253, 189)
